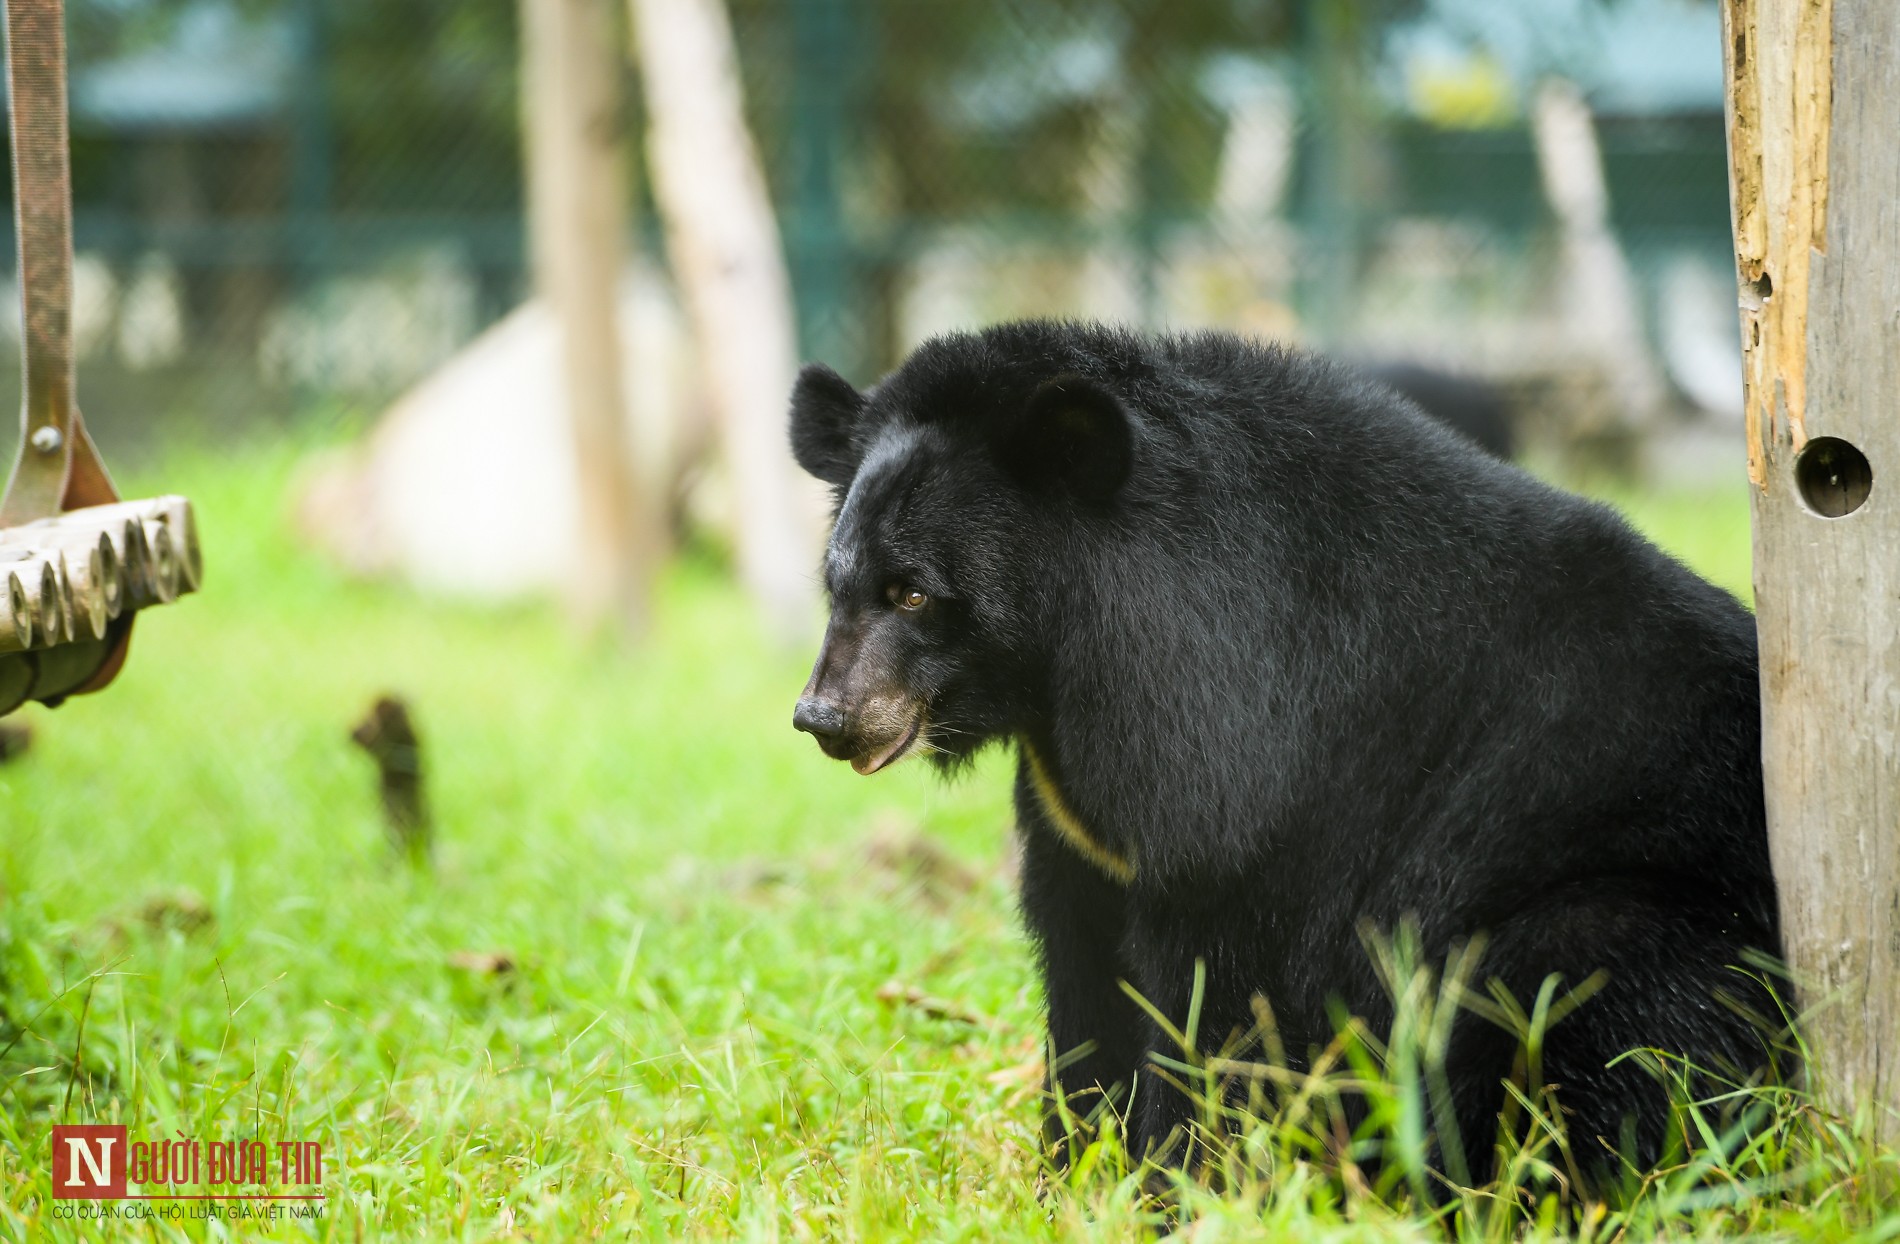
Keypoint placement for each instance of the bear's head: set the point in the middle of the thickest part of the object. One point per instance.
(962, 483)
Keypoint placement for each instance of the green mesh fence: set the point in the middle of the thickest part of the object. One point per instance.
(295, 204)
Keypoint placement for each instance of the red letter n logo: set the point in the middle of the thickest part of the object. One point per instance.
(89, 1162)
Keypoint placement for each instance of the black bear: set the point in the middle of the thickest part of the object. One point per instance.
(1284, 658)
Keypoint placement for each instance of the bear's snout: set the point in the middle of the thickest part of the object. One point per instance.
(821, 719)
(871, 738)
(855, 705)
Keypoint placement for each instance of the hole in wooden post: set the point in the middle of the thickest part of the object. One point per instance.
(1832, 476)
(1752, 296)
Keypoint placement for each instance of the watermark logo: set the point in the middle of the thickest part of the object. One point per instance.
(213, 1179)
(89, 1162)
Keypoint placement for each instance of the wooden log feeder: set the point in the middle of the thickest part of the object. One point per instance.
(1813, 109)
(76, 562)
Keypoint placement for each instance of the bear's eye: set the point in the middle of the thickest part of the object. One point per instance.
(906, 597)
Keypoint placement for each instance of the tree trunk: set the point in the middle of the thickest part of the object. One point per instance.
(1818, 246)
(1601, 308)
(724, 246)
(577, 214)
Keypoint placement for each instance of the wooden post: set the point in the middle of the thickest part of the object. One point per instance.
(577, 212)
(1813, 104)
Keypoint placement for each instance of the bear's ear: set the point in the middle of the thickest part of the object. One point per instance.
(825, 410)
(1074, 436)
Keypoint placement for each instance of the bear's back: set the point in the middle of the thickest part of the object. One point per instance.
(1394, 635)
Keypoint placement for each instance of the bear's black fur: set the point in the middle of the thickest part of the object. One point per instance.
(1284, 659)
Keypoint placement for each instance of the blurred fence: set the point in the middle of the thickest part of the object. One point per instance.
(1362, 175)
(287, 203)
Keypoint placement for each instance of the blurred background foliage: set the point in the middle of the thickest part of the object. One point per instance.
(287, 204)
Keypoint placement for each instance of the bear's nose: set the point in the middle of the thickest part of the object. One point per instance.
(819, 718)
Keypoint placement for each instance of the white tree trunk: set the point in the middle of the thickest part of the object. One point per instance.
(1110, 278)
(1256, 157)
(724, 246)
(1601, 309)
(577, 212)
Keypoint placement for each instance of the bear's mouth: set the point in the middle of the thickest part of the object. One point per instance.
(871, 761)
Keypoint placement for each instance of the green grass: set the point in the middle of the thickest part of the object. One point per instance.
(690, 1040)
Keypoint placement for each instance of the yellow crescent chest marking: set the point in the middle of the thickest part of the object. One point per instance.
(1056, 809)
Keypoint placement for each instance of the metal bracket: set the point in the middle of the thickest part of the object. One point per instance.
(58, 466)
